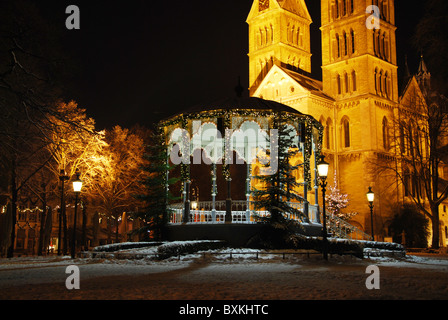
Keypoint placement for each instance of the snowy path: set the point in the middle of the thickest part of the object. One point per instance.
(217, 277)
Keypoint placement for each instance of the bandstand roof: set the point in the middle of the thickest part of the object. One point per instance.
(240, 103)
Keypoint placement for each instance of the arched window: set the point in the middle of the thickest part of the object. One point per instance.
(374, 42)
(406, 182)
(347, 87)
(410, 138)
(262, 37)
(346, 132)
(268, 35)
(385, 47)
(376, 80)
(386, 84)
(385, 134)
(338, 79)
(352, 37)
(354, 80)
(298, 36)
(418, 147)
(338, 44)
(345, 44)
(333, 10)
(402, 137)
(293, 32)
(378, 46)
(385, 11)
(329, 133)
(380, 78)
(352, 9)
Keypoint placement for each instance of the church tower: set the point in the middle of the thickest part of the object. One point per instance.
(358, 49)
(359, 71)
(279, 34)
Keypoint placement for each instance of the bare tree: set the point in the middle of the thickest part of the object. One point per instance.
(418, 138)
(30, 69)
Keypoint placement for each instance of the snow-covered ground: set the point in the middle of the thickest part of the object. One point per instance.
(218, 275)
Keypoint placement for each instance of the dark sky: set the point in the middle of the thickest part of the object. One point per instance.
(141, 60)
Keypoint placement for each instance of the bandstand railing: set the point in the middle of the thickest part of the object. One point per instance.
(204, 213)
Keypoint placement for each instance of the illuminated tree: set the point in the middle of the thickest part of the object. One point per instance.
(337, 201)
(75, 146)
(118, 181)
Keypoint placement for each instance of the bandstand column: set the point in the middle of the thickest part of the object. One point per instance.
(186, 193)
(248, 177)
(214, 192)
(306, 203)
(186, 217)
(316, 185)
(228, 218)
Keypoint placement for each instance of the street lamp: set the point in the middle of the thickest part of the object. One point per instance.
(77, 185)
(63, 177)
(322, 170)
(371, 198)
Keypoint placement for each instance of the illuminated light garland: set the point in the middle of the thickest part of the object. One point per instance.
(292, 118)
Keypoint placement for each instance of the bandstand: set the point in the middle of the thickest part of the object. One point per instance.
(218, 151)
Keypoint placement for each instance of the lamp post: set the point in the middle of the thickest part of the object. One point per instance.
(62, 177)
(322, 169)
(77, 185)
(371, 198)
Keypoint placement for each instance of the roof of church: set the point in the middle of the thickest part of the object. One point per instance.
(295, 6)
(310, 84)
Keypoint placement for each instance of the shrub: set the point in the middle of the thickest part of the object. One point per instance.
(185, 247)
(409, 221)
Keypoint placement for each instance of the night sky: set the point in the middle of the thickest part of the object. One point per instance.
(138, 61)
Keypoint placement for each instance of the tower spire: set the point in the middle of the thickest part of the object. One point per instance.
(423, 74)
(422, 69)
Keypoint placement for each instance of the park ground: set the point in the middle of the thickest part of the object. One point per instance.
(215, 275)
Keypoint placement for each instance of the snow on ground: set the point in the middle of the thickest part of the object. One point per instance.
(215, 274)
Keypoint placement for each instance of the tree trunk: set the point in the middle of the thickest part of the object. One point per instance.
(435, 227)
(95, 228)
(64, 228)
(42, 221)
(84, 226)
(116, 229)
(48, 227)
(5, 230)
(14, 192)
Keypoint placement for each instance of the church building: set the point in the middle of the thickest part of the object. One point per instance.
(357, 100)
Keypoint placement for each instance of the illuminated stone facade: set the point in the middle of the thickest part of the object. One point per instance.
(356, 99)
